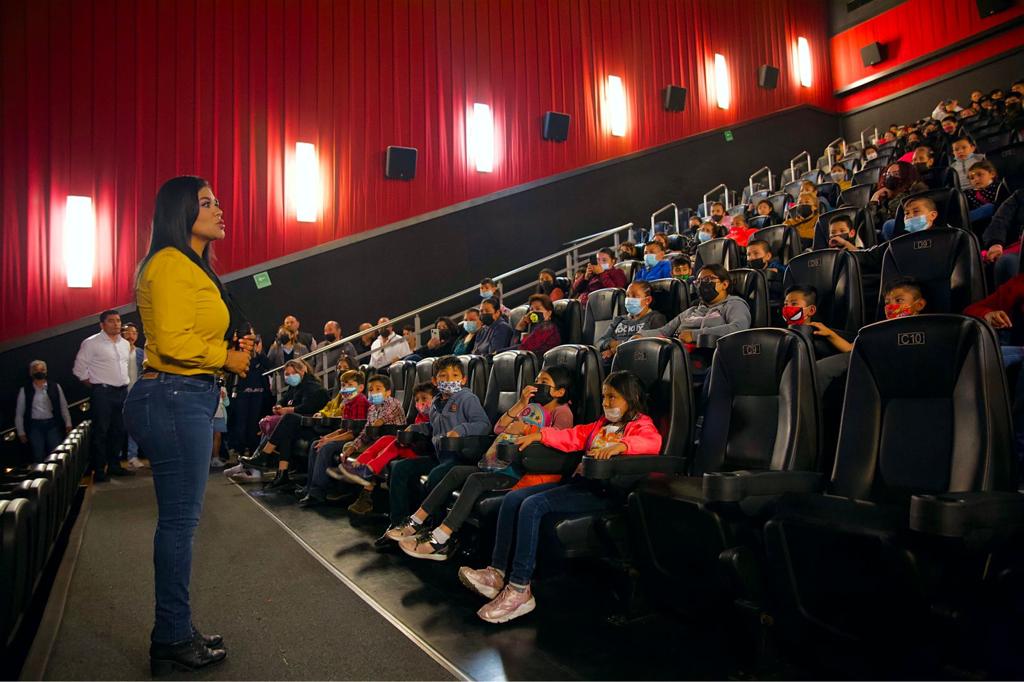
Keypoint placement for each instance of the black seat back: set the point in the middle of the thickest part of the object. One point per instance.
(835, 274)
(994, 140)
(879, 161)
(516, 314)
(676, 242)
(945, 261)
(762, 404)
(569, 317)
(585, 365)
(670, 296)
(563, 283)
(403, 378)
(629, 267)
(856, 195)
(511, 370)
(868, 176)
(475, 369)
(722, 251)
(15, 560)
(1009, 161)
(950, 203)
(784, 241)
(752, 286)
(861, 221)
(425, 370)
(829, 191)
(602, 307)
(663, 369)
(926, 411)
(780, 201)
(792, 188)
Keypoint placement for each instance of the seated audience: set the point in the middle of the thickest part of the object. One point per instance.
(903, 298)
(806, 186)
(329, 358)
(764, 215)
(470, 327)
(870, 153)
(495, 334)
(546, 284)
(628, 251)
(363, 343)
(760, 257)
(718, 313)
(291, 323)
(739, 231)
(442, 340)
(489, 291)
(542, 404)
(601, 273)
(898, 180)
(655, 265)
(841, 176)
(842, 234)
(387, 347)
(804, 217)
(1002, 237)
(799, 308)
(285, 348)
(718, 215)
(541, 333)
(708, 231)
(986, 193)
(623, 430)
(919, 214)
(923, 159)
(639, 317)
(964, 156)
(681, 268)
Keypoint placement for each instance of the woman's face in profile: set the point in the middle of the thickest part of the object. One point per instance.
(209, 224)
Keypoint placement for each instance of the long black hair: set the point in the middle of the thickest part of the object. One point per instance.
(174, 213)
(628, 385)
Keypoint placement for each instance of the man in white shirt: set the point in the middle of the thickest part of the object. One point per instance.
(41, 416)
(102, 365)
(387, 347)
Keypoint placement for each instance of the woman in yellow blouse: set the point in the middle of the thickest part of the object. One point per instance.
(170, 409)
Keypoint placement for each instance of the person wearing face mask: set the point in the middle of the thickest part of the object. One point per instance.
(41, 413)
(489, 292)
(541, 404)
(441, 341)
(628, 251)
(717, 314)
(843, 234)
(329, 358)
(600, 273)
(388, 347)
(923, 159)
(623, 430)
(682, 269)
(708, 231)
(841, 176)
(495, 334)
(541, 334)
(870, 153)
(639, 317)
(718, 215)
(894, 184)
(739, 231)
(798, 310)
(285, 348)
(547, 285)
(903, 298)
(469, 328)
(804, 217)
(759, 257)
(655, 264)
(919, 214)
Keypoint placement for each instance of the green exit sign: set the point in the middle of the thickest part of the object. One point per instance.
(262, 280)
(728, 136)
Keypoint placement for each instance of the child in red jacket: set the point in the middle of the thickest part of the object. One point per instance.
(623, 431)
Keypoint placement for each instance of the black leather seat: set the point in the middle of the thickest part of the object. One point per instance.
(945, 261)
(425, 370)
(792, 188)
(856, 195)
(921, 505)
(784, 241)
(762, 415)
(829, 191)
(568, 315)
(511, 370)
(45, 522)
(629, 267)
(602, 307)
(515, 315)
(15, 564)
(722, 251)
(994, 140)
(868, 176)
(780, 201)
(475, 369)
(862, 222)
(403, 378)
(835, 273)
(752, 286)
(585, 365)
(563, 283)
(676, 242)
(1009, 161)
(950, 204)
(670, 296)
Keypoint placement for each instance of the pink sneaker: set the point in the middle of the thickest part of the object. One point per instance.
(486, 582)
(508, 605)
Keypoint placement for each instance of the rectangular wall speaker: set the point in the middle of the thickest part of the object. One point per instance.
(675, 98)
(400, 163)
(872, 53)
(556, 126)
(987, 8)
(767, 76)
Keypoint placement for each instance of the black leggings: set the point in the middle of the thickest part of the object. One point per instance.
(473, 484)
(287, 431)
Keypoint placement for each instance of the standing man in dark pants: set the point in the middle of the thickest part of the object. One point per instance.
(102, 365)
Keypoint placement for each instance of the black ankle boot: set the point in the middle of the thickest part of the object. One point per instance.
(280, 481)
(186, 656)
(210, 641)
(258, 459)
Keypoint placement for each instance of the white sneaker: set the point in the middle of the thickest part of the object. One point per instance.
(248, 476)
(237, 469)
(136, 463)
(217, 463)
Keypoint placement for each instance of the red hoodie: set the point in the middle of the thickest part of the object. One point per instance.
(1009, 298)
(640, 436)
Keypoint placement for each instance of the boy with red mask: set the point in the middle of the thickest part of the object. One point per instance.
(798, 310)
(903, 298)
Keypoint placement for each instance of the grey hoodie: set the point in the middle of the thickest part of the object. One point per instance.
(961, 167)
(708, 323)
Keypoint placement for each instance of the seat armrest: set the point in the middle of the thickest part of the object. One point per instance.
(972, 516)
(637, 465)
(375, 432)
(409, 438)
(467, 447)
(735, 486)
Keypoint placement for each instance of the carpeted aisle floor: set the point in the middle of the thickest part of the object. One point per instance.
(283, 615)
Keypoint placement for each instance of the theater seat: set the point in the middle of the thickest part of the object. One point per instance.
(752, 286)
(950, 204)
(904, 548)
(1009, 161)
(425, 370)
(602, 307)
(829, 191)
(569, 318)
(475, 369)
(564, 283)
(995, 140)
(857, 195)
(630, 268)
(45, 520)
(947, 263)
(721, 251)
(15, 558)
(584, 364)
(762, 415)
(868, 176)
(780, 202)
(862, 222)
(515, 315)
(671, 296)
(403, 377)
(783, 240)
(511, 370)
(835, 273)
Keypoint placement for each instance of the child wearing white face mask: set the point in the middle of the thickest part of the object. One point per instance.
(624, 430)
(639, 317)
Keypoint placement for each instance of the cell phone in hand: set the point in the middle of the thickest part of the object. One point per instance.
(435, 334)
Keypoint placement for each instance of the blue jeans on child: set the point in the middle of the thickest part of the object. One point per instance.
(319, 462)
(171, 417)
(533, 504)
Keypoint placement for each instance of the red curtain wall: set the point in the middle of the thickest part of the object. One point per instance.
(911, 30)
(109, 98)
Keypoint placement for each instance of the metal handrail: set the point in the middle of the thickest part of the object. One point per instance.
(711, 191)
(10, 434)
(828, 149)
(750, 180)
(792, 164)
(458, 294)
(675, 213)
(875, 128)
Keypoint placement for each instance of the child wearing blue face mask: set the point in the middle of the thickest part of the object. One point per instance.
(489, 292)
(467, 332)
(639, 317)
(655, 264)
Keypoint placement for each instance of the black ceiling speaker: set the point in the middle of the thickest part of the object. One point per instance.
(556, 126)
(767, 76)
(400, 163)
(872, 53)
(987, 8)
(675, 98)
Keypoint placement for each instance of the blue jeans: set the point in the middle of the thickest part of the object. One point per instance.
(558, 499)
(44, 436)
(319, 462)
(982, 212)
(505, 534)
(171, 417)
(1007, 267)
(1013, 356)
